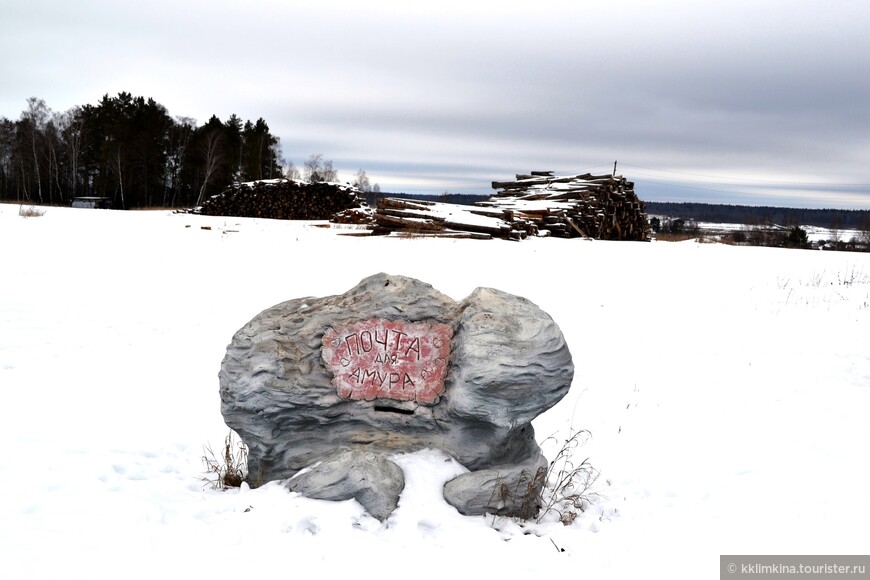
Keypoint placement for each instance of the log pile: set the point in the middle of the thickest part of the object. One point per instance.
(413, 217)
(604, 207)
(593, 206)
(362, 215)
(282, 199)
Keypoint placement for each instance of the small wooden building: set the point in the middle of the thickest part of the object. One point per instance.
(92, 202)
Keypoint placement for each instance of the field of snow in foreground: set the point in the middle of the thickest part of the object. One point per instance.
(726, 389)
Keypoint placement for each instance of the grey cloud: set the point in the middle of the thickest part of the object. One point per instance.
(470, 93)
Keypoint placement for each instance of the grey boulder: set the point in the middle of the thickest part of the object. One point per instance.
(371, 479)
(394, 366)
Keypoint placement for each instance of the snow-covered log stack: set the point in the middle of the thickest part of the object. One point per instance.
(415, 217)
(282, 199)
(596, 206)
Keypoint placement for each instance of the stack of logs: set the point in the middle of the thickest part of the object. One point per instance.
(604, 207)
(429, 218)
(282, 199)
(593, 206)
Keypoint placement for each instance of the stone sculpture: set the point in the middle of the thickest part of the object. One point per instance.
(336, 385)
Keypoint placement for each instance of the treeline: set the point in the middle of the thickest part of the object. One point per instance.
(130, 150)
(761, 215)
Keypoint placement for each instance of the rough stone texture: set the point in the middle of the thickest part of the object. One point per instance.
(510, 360)
(512, 490)
(508, 363)
(371, 479)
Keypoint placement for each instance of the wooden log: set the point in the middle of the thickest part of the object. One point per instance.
(393, 202)
(452, 235)
(499, 231)
(576, 227)
(493, 213)
(409, 214)
(413, 224)
(530, 181)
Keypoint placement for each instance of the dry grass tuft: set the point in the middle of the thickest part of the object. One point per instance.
(31, 211)
(561, 488)
(567, 482)
(231, 468)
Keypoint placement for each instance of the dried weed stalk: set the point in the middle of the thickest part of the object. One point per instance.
(31, 211)
(229, 470)
(561, 488)
(567, 483)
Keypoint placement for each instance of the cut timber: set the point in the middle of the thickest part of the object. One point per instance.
(391, 202)
(600, 206)
(449, 234)
(538, 204)
(410, 214)
(282, 199)
(407, 223)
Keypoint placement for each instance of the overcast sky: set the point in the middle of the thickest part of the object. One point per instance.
(757, 102)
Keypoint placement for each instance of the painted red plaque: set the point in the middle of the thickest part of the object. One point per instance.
(388, 359)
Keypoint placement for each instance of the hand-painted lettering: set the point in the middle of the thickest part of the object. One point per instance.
(394, 359)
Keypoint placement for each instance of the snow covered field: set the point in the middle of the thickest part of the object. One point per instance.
(726, 388)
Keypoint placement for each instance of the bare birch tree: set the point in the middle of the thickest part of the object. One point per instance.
(213, 155)
(361, 181)
(117, 158)
(291, 171)
(71, 125)
(36, 115)
(317, 170)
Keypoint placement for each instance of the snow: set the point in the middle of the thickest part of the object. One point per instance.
(814, 233)
(725, 388)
